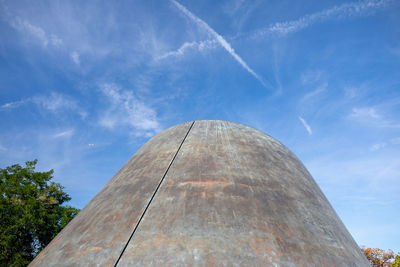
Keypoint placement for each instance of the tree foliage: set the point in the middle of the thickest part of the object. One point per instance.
(396, 261)
(381, 258)
(31, 212)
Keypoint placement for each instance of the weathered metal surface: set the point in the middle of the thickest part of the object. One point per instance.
(233, 196)
(97, 236)
(236, 197)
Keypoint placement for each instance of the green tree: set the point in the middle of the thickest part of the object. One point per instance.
(31, 212)
(396, 261)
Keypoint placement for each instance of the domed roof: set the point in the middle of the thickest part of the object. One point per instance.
(207, 193)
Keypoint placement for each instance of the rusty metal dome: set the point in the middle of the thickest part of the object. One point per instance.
(207, 193)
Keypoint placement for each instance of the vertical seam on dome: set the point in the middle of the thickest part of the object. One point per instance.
(152, 197)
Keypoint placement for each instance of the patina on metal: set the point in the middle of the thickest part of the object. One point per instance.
(207, 193)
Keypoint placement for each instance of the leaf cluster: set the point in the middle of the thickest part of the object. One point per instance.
(31, 212)
(396, 261)
(381, 258)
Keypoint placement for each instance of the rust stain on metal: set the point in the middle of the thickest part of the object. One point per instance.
(86, 250)
(229, 196)
(205, 183)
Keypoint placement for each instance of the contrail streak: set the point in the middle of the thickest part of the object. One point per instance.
(220, 40)
(305, 124)
(346, 10)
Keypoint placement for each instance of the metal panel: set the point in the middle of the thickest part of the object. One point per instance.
(216, 194)
(97, 236)
(234, 196)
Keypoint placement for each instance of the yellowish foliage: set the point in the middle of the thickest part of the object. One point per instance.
(379, 257)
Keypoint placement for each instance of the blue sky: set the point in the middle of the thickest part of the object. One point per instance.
(84, 84)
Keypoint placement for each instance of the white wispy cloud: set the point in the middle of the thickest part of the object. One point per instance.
(315, 92)
(66, 134)
(395, 141)
(394, 50)
(374, 173)
(347, 10)
(233, 6)
(24, 26)
(305, 124)
(219, 39)
(54, 102)
(2, 148)
(372, 117)
(366, 114)
(200, 46)
(35, 33)
(392, 142)
(75, 57)
(127, 110)
(377, 146)
(311, 76)
(351, 92)
(14, 104)
(55, 40)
